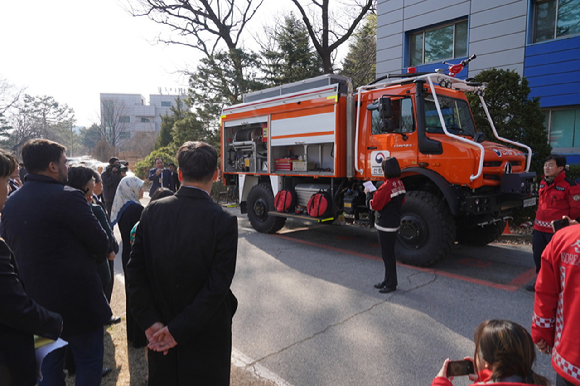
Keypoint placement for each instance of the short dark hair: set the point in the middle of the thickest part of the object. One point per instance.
(391, 167)
(158, 158)
(8, 163)
(37, 154)
(170, 164)
(112, 160)
(161, 193)
(559, 158)
(79, 176)
(97, 176)
(197, 161)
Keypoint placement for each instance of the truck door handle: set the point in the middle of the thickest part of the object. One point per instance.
(371, 148)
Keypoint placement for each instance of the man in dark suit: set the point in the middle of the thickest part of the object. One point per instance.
(58, 242)
(174, 176)
(160, 177)
(179, 276)
(20, 316)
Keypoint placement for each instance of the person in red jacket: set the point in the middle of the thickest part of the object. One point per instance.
(559, 196)
(386, 201)
(504, 356)
(556, 322)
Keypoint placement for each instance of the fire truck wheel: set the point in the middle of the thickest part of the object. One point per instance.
(260, 202)
(479, 236)
(427, 230)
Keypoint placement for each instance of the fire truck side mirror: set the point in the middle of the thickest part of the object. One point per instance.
(386, 125)
(385, 110)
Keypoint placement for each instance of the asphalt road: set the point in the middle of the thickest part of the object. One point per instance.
(309, 314)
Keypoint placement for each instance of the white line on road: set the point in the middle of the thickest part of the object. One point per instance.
(241, 360)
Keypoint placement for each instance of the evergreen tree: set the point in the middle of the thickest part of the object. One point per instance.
(360, 63)
(291, 57)
(193, 129)
(167, 121)
(515, 115)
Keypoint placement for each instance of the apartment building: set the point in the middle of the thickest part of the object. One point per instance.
(132, 112)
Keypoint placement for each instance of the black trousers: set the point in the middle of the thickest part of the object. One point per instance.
(562, 382)
(387, 241)
(539, 242)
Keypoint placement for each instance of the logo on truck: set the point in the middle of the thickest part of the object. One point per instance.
(377, 158)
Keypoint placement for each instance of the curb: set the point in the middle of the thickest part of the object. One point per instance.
(515, 237)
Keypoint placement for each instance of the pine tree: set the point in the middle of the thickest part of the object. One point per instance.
(167, 121)
(515, 115)
(291, 57)
(360, 63)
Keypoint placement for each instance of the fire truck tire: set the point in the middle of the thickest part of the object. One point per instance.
(260, 202)
(427, 230)
(479, 236)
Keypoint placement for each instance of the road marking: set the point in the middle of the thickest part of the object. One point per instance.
(514, 285)
(241, 360)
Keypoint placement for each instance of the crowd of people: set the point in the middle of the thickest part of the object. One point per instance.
(58, 247)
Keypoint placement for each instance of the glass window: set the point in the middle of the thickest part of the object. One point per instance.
(165, 104)
(403, 120)
(563, 127)
(455, 112)
(556, 18)
(145, 120)
(125, 119)
(437, 44)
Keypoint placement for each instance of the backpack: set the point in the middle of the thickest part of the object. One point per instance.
(320, 204)
(285, 201)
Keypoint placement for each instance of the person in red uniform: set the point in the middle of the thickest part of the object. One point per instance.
(386, 201)
(504, 356)
(556, 322)
(559, 197)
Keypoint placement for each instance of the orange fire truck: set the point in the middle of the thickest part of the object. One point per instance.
(318, 135)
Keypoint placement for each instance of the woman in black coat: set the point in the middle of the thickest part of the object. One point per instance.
(387, 201)
(126, 212)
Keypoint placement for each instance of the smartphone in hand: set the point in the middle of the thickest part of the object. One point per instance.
(458, 368)
(559, 224)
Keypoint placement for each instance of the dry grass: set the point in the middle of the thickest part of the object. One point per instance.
(128, 363)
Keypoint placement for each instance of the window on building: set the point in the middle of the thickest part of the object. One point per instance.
(437, 44)
(403, 122)
(125, 119)
(556, 18)
(125, 135)
(564, 127)
(165, 104)
(144, 120)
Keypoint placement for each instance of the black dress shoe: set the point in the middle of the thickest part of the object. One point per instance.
(106, 371)
(531, 286)
(113, 320)
(386, 290)
(379, 285)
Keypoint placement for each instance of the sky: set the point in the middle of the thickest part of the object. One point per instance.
(73, 50)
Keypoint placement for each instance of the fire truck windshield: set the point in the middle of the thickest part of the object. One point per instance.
(456, 115)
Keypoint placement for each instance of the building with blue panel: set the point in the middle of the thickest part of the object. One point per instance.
(539, 39)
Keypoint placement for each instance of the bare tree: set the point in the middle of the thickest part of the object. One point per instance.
(202, 24)
(9, 95)
(328, 31)
(115, 122)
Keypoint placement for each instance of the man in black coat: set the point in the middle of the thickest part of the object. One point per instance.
(174, 176)
(179, 276)
(20, 316)
(111, 178)
(160, 177)
(58, 242)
